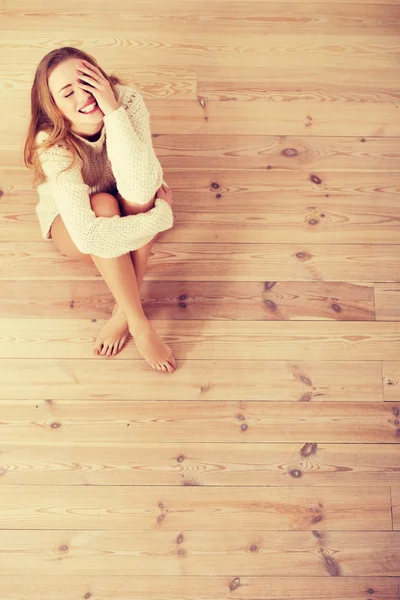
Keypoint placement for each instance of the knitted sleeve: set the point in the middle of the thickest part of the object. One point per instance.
(107, 237)
(136, 168)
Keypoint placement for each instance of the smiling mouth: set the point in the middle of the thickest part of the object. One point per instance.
(95, 105)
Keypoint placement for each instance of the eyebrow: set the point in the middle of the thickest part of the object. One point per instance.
(65, 86)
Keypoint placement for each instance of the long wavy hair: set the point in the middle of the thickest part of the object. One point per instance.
(46, 116)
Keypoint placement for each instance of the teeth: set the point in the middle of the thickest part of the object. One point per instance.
(88, 108)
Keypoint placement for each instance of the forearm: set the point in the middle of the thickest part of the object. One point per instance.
(128, 208)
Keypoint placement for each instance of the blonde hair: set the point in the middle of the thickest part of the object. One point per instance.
(45, 114)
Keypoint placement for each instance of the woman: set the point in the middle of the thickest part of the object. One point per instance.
(89, 143)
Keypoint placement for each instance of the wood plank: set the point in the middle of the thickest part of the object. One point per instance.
(281, 224)
(247, 82)
(210, 340)
(265, 118)
(288, 72)
(199, 421)
(170, 587)
(236, 191)
(391, 382)
(346, 156)
(241, 21)
(308, 464)
(205, 509)
(269, 301)
(222, 262)
(395, 495)
(387, 301)
(333, 553)
(266, 381)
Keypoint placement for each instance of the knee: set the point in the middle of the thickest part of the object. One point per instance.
(104, 205)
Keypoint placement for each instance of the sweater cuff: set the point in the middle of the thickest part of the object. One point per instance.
(165, 207)
(106, 118)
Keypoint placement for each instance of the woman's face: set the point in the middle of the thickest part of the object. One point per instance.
(69, 98)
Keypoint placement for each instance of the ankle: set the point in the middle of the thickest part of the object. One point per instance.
(139, 326)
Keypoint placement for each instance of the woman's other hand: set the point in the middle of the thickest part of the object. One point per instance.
(165, 193)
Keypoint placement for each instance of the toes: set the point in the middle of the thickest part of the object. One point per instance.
(122, 342)
(110, 349)
(98, 346)
(103, 352)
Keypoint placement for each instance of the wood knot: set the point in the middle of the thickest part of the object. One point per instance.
(295, 473)
(395, 411)
(1, 193)
(240, 417)
(305, 380)
(316, 533)
(315, 179)
(180, 458)
(63, 548)
(160, 505)
(234, 584)
(182, 297)
(180, 539)
(244, 426)
(218, 196)
(55, 425)
(313, 222)
(289, 152)
(268, 285)
(270, 305)
(302, 255)
(363, 139)
(337, 308)
(182, 304)
(88, 595)
(254, 549)
(215, 186)
(317, 519)
(308, 449)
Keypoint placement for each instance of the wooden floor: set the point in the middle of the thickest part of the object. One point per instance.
(268, 465)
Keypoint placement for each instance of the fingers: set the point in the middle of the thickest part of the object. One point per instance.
(86, 79)
(89, 73)
(92, 69)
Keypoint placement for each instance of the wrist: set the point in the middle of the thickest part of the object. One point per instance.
(109, 109)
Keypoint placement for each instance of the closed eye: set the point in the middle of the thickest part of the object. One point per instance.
(68, 95)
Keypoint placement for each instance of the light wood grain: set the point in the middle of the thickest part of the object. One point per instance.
(171, 587)
(391, 381)
(314, 416)
(217, 262)
(264, 301)
(265, 467)
(387, 301)
(204, 509)
(187, 554)
(210, 340)
(207, 381)
(309, 464)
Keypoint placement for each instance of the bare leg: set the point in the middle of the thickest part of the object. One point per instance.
(119, 274)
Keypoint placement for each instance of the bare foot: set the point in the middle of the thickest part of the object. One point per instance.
(113, 335)
(155, 352)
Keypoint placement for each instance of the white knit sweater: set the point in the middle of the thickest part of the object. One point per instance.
(122, 161)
